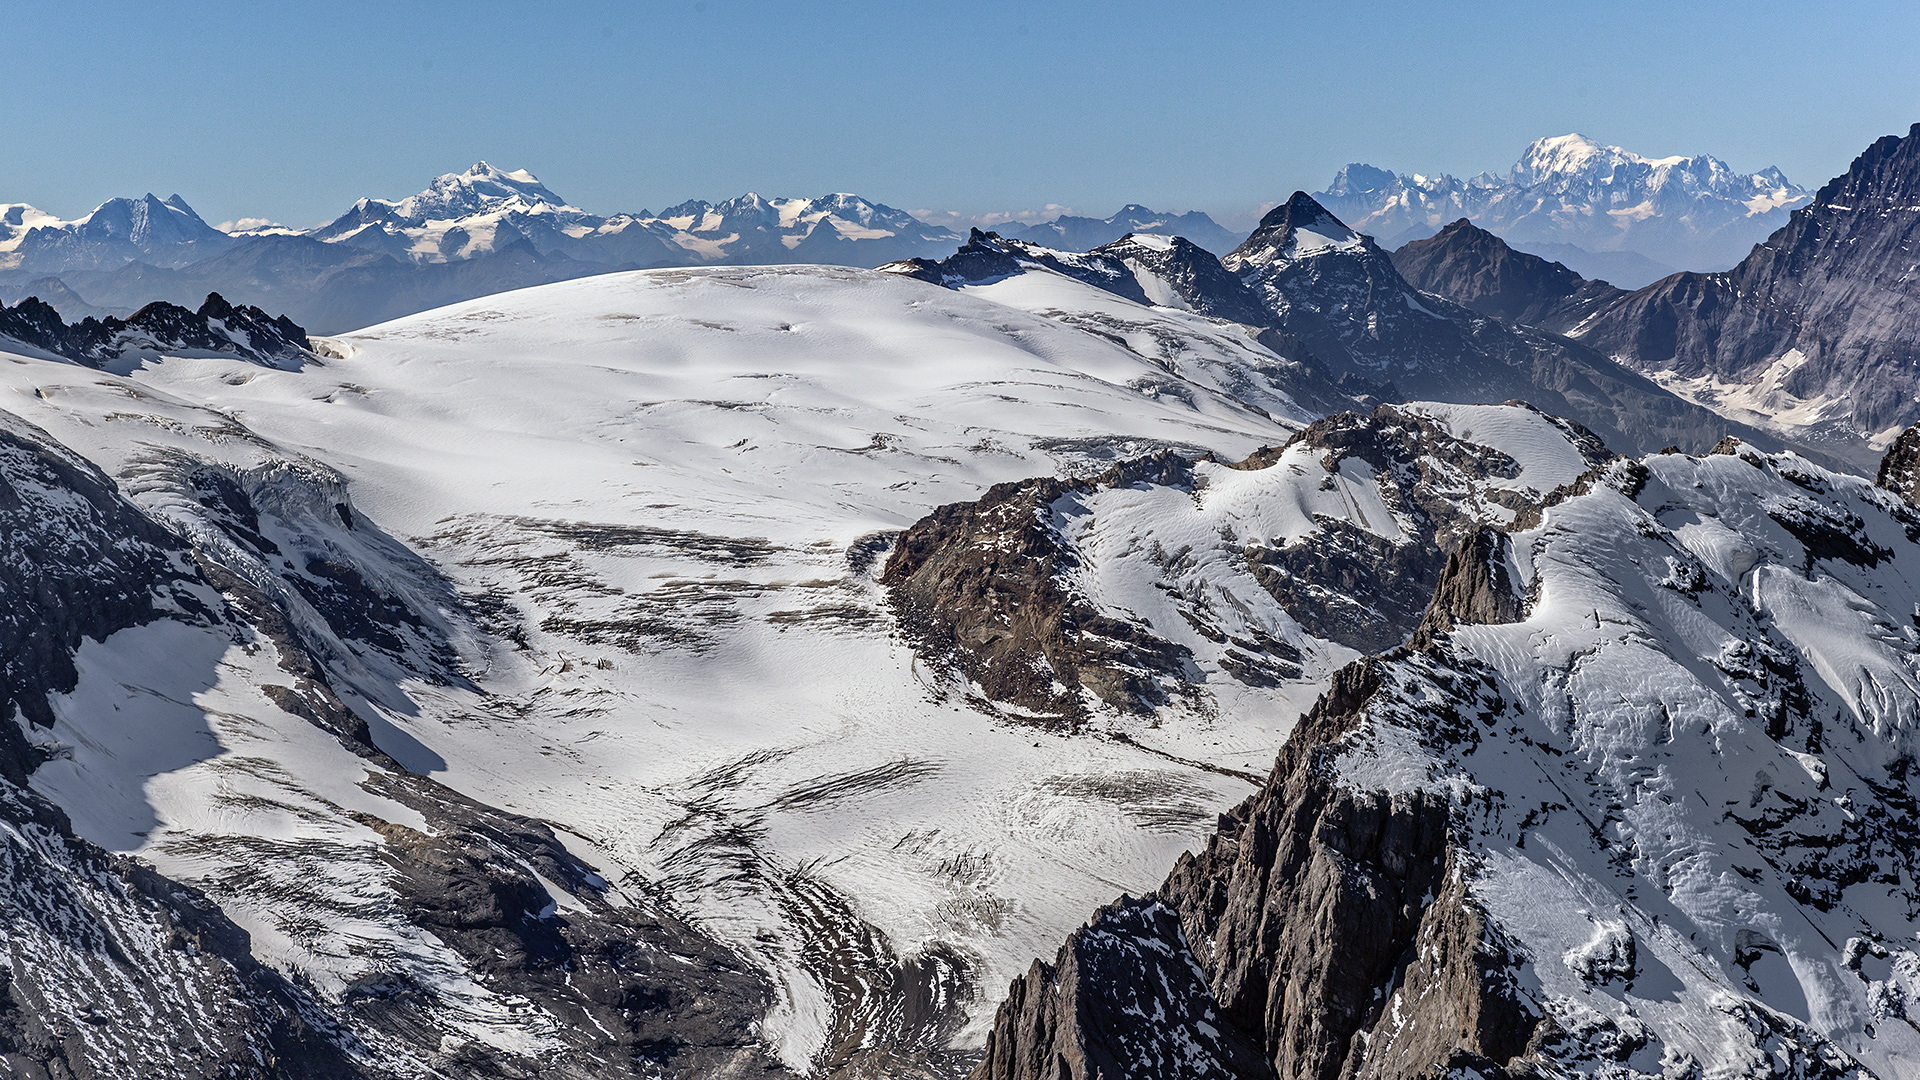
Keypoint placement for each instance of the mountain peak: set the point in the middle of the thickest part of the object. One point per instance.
(1297, 228)
(481, 189)
(1887, 172)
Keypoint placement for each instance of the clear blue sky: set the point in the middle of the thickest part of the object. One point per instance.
(290, 111)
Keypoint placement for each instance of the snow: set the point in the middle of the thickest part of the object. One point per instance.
(689, 455)
(1536, 441)
(1690, 793)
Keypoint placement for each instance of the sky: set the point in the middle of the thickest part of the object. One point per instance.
(289, 112)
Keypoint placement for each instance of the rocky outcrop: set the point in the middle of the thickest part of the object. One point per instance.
(988, 256)
(979, 588)
(1476, 269)
(1363, 590)
(1309, 906)
(1900, 468)
(217, 327)
(1477, 586)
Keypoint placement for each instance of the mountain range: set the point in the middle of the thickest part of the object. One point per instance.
(468, 234)
(1605, 212)
(1012, 662)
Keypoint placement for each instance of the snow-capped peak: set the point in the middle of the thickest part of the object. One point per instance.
(481, 189)
(18, 219)
(1298, 228)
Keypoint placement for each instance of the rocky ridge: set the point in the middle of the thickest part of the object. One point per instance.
(1035, 596)
(1815, 326)
(216, 327)
(1466, 864)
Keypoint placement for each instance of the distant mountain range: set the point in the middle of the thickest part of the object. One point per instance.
(1071, 233)
(1603, 211)
(467, 234)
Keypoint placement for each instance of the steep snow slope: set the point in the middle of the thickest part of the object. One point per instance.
(660, 494)
(1639, 803)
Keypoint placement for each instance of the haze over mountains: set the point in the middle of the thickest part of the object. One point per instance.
(468, 234)
(1303, 660)
(1601, 210)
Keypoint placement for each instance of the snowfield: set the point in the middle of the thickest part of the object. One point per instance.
(664, 492)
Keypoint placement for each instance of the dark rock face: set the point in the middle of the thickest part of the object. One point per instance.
(76, 561)
(1477, 270)
(1834, 283)
(1307, 903)
(1056, 1023)
(217, 326)
(979, 588)
(1900, 469)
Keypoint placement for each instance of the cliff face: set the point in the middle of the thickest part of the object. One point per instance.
(1270, 952)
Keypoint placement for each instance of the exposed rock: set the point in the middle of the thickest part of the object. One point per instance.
(106, 952)
(1825, 308)
(978, 587)
(1336, 292)
(1306, 906)
(1900, 468)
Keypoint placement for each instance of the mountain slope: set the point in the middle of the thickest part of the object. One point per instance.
(581, 554)
(1478, 270)
(1338, 294)
(1814, 330)
(1633, 804)
(1570, 190)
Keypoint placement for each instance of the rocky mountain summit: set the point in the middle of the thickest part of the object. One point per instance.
(1478, 270)
(1340, 296)
(1321, 294)
(1607, 213)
